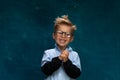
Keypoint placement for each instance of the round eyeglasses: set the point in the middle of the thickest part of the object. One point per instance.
(61, 33)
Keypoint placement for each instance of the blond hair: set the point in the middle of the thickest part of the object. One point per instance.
(63, 20)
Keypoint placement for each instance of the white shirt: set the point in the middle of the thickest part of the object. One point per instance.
(60, 73)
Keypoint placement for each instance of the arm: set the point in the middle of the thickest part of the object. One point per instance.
(72, 70)
(49, 67)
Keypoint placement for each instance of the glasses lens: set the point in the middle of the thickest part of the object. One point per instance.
(68, 35)
(60, 33)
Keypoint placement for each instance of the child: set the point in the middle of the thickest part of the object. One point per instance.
(62, 63)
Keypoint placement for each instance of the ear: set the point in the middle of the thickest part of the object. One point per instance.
(53, 35)
(72, 38)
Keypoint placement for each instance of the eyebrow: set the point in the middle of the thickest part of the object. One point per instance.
(63, 31)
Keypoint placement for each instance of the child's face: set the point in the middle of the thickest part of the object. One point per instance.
(63, 35)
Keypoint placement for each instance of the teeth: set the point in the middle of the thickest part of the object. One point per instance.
(62, 41)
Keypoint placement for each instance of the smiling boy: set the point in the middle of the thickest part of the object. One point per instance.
(61, 62)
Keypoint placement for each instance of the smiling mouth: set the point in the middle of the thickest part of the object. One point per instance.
(62, 41)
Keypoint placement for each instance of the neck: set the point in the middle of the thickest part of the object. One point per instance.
(61, 48)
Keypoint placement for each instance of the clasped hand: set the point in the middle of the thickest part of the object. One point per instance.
(64, 55)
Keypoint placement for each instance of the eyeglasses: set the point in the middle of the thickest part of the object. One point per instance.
(61, 33)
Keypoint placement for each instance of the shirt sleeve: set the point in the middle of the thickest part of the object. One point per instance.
(73, 67)
(49, 66)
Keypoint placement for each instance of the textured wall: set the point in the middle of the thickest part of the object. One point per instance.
(25, 32)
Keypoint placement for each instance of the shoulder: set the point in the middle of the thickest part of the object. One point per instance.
(49, 50)
(74, 53)
(50, 53)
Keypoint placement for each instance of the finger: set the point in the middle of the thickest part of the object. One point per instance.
(65, 52)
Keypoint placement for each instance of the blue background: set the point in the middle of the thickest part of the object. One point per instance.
(26, 28)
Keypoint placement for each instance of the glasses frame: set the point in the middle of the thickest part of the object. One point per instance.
(61, 33)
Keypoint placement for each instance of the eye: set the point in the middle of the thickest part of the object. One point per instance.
(60, 32)
(68, 34)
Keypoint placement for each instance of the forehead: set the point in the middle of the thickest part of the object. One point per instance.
(64, 28)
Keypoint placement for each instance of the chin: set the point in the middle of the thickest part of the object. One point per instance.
(62, 45)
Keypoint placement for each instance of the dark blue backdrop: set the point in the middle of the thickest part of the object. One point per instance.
(26, 31)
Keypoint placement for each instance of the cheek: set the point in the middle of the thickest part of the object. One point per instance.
(55, 37)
